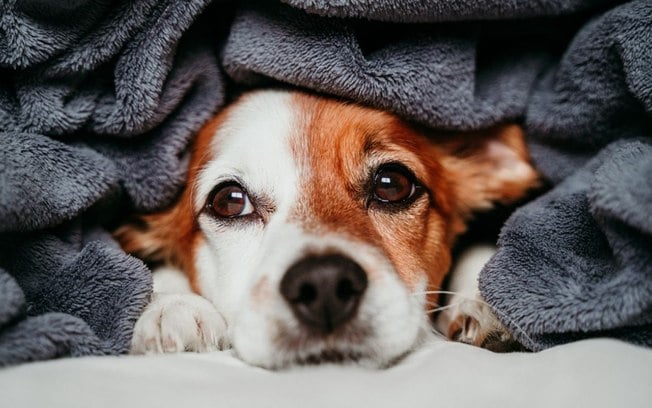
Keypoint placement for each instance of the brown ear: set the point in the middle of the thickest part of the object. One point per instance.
(159, 237)
(168, 237)
(492, 166)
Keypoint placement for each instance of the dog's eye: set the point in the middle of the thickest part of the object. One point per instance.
(230, 200)
(393, 184)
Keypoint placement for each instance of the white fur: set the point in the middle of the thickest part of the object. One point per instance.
(395, 316)
(175, 322)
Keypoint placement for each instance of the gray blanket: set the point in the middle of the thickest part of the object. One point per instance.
(99, 99)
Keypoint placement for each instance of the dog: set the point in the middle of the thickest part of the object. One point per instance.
(317, 230)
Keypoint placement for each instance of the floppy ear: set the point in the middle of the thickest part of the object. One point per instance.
(487, 167)
(166, 236)
(146, 237)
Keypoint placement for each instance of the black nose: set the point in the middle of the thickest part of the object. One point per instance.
(324, 291)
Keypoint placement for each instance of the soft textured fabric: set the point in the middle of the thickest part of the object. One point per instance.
(577, 262)
(429, 75)
(418, 11)
(99, 100)
(580, 257)
(597, 373)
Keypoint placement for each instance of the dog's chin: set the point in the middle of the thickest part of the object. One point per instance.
(333, 350)
(377, 338)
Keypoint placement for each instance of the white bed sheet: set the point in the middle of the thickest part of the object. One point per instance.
(593, 373)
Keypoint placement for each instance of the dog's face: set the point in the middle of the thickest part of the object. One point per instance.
(317, 227)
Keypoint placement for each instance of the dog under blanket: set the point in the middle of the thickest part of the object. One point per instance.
(99, 99)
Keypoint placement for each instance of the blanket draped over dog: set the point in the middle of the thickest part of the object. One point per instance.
(99, 100)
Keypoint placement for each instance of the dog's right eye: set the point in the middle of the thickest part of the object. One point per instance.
(230, 200)
(394, 184)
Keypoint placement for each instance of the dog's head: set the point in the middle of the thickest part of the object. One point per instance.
(317, 226)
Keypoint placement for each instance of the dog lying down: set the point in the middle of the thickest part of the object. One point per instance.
(314, 230)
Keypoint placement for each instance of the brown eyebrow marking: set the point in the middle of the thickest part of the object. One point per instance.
(370, 143)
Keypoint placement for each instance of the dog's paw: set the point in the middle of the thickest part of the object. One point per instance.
(179, 322)
(472, 321)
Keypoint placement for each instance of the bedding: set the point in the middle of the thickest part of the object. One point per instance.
(591, 373)
(99, 100)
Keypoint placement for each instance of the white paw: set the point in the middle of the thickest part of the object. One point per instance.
(472, 321)
(179, 322)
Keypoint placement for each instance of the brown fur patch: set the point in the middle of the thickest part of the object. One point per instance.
(337, 141)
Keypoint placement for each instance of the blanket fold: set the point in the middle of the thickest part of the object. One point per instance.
(101, 289)
(579, 257)
(433, 76)
(419, 11)
(99, 100)
(98, 103)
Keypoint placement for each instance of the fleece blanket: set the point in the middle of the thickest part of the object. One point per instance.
(99, 100)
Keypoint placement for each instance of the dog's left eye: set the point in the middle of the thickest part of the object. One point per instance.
(394, 183)
(230, 200)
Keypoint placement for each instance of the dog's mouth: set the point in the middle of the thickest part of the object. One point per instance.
(346, 356)
(332, 356)
(377, 336)
(355, 344)
(302, 346)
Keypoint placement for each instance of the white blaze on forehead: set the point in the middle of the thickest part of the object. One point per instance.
(252, 147)
(253, 144)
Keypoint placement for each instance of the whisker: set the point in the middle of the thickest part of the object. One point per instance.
(432, 303)
(439, 309)
(435, 292)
